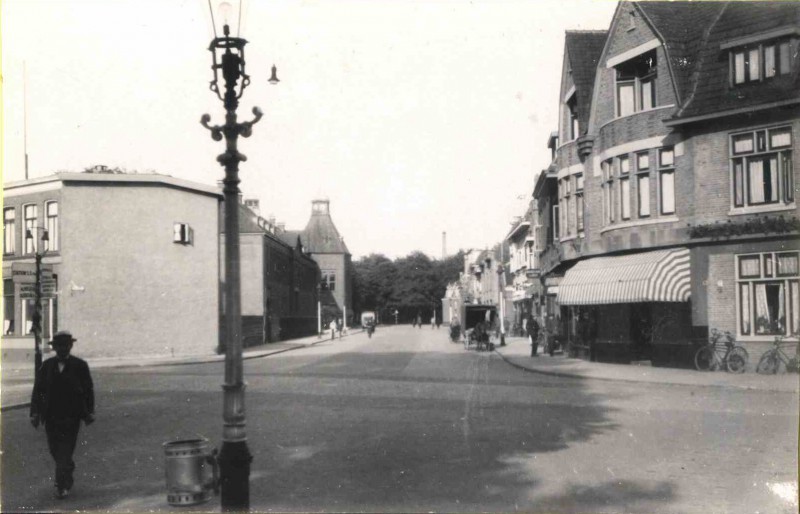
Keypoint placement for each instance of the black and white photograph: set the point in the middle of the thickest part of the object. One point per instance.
(448, 256)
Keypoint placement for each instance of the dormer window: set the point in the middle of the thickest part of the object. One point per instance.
(636, 84)
(760, 62)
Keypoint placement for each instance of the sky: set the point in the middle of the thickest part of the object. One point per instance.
(413, 118)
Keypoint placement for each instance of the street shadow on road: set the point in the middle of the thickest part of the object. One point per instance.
(353, 431)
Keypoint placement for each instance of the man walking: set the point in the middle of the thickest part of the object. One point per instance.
(63, 395)
(533, 333)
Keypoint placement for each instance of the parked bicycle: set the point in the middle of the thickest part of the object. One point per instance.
(721, 352)
(770, 362)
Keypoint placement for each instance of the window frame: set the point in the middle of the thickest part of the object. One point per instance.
(747, 322)
(51, 224)
(29, 224)
(627, 75)
(760, 146)
(9, 230)
(741, 60)
(663, 171)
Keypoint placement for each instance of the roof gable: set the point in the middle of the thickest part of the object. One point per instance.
(583, 49)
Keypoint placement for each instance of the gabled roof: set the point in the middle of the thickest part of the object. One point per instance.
(584, 48)
(321, 236)
(693, 34)
(682, 28)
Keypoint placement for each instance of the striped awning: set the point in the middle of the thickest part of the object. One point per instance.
(657, 276)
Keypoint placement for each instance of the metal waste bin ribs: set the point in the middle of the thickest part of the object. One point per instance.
(191, 471)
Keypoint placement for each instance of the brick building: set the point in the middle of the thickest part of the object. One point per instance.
(279, 294)
(323, 243)
(675, 179)
(134, 258)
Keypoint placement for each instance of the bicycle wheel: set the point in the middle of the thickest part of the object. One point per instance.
(704, 358)
(768, 364)
(736, 361)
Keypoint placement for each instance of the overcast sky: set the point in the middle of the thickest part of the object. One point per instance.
(413, 118)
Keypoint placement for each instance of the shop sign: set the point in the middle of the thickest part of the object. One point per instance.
(25, 272)
(29, 290)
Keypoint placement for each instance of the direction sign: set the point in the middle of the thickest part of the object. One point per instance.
(25, 272)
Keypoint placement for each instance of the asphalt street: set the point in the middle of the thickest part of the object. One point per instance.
(407, 421)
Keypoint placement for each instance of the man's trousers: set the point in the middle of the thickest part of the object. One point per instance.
(62, 436)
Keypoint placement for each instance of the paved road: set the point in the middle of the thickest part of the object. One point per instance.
(407, 421)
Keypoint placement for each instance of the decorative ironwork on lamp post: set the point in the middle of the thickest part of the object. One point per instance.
(36, 319)
(235, 457)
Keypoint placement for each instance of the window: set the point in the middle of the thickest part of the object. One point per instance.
(182, 233)
(636, 84)
(572, 109)
(666, 177)
(643, 192)
(328, 281)
(579, 201)
(9, 230)
(625, 198)
(642, 161)
(608, 191)
(51, 211)
(761, 62)
(761, 165)
(29, 214)
(556, 227)
(768, 293)
(8, 306)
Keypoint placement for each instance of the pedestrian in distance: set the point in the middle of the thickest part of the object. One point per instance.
(419, 320)
(333, 329)
(533, 334)
(339, 327)
(433, 322)
(63, 396)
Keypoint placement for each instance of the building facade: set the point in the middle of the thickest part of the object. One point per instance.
(279, 293)
(322, 242)
(675, 180)
(134, 262)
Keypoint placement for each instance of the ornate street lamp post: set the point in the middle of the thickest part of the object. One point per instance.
(235, 457)
(36, 325)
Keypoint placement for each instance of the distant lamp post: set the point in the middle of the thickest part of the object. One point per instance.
(40, 248)
(228, 64)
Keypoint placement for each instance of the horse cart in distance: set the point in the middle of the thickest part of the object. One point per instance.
(477, 326)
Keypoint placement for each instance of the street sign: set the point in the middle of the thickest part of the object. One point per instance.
(29, 291)
(25, 272)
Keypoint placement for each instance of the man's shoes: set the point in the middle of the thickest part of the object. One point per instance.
(62, 493)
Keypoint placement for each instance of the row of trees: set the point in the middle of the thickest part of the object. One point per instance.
(412, 285)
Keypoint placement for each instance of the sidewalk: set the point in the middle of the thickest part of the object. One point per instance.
(17, 378)
(517, 352)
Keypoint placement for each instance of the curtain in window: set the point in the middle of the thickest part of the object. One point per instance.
(738, 186)
(744, 313)
(753, 64)
(784, 55)
(788, 264)
(769, 61)
(625, 99)
(738, 68)
(647, 94)
(749, 266)
(667, 192)
(762, 309)
(756, 174)
(781, 309)
(644, 195)
(626, 198)
(794, 305)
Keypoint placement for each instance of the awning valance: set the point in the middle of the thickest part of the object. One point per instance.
(657, 276)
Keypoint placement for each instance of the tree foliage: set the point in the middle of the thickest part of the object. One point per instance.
(412, 285)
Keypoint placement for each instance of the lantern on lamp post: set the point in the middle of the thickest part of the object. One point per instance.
(230, 81)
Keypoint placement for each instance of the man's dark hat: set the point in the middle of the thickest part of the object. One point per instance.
(63, 335)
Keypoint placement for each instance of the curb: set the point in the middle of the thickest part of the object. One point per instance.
(630, 380)
(213, 358)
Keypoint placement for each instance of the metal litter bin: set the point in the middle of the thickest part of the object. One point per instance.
(191, 471)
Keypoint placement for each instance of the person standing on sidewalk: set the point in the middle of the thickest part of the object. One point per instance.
(63, 395)
(533, 333)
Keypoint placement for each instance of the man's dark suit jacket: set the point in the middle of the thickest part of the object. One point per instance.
(81, 388)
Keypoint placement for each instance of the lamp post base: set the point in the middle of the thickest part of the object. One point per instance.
(234, 470)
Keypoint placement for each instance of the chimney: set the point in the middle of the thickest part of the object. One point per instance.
(281, 227)
(253, 205)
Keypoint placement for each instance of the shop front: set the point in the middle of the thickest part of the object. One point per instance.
(618, 308)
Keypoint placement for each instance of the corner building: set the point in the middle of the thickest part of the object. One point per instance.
(676, 193)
